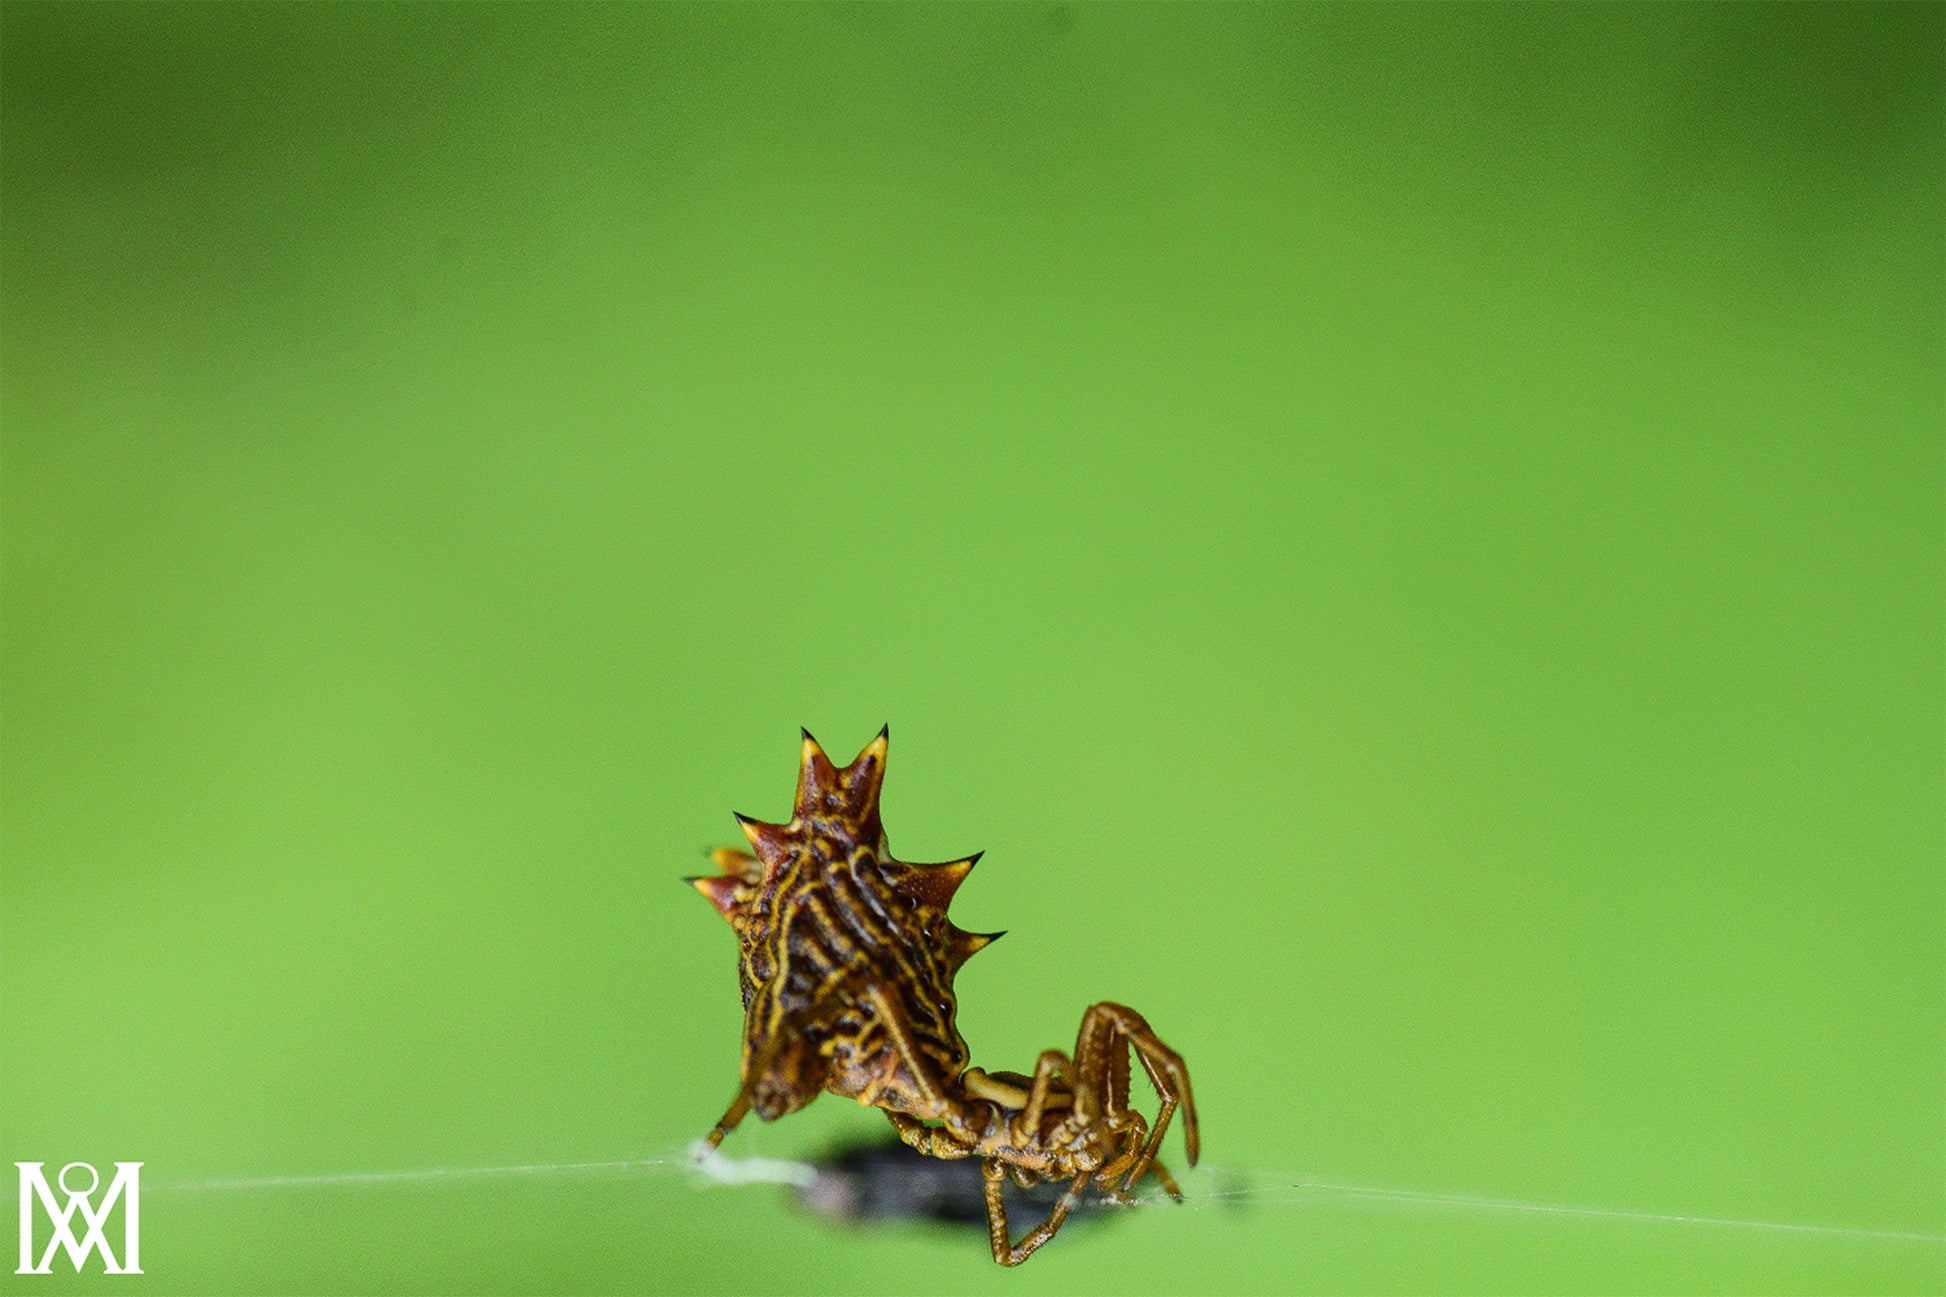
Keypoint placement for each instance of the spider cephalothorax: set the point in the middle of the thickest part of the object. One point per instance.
(847, 964)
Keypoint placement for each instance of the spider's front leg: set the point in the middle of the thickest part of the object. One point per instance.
(1107, 1032)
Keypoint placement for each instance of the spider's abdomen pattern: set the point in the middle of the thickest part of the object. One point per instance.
(826, 922)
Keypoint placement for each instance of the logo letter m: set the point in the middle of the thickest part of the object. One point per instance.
(34, 1188)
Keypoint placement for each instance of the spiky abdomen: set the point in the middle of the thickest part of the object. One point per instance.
(826, 927)
(842, 946)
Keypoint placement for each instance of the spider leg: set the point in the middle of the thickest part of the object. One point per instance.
(1161, 1173)
(933, 1141)
(1115, 1090)
(1051, 1063)
(1005, 1251)
(766, 1057)
(892, 1019)
(738, 1108)
(1170, 1076)
(956, 1116)
(1107, 1029)
(1132, 1137)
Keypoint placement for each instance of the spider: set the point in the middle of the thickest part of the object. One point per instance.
(846, 963)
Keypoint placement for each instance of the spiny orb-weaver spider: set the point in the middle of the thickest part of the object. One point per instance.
(847, 961)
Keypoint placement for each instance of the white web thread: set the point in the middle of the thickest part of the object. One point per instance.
(712, 1167)
(429, 1174)
(705, 1161)
(1298, 1189)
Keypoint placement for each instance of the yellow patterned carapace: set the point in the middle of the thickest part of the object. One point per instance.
(847, 961)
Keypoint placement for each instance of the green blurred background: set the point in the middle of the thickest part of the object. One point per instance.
(1412, 536)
